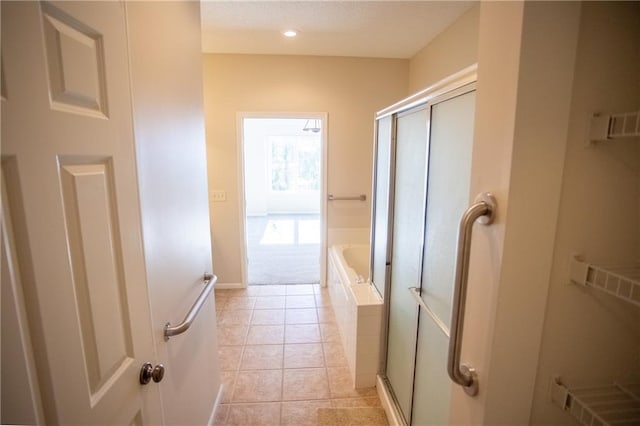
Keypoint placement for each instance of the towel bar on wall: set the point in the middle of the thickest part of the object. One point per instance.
(361, 197)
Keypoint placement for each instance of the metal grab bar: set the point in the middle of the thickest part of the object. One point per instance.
(361, 197)
(209, 281)
(484, 209)
(415, 292)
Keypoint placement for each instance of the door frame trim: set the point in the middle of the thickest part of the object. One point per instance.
(324, 118)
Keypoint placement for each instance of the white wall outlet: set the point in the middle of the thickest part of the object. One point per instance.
(218, 195)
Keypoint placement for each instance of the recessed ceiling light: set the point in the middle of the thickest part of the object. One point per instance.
(290, 33)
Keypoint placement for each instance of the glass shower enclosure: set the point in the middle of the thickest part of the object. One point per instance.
(422, 174)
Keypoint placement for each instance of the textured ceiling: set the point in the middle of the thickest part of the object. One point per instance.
(380, 29)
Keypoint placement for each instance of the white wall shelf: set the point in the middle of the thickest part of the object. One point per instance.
(614, 404)
(621, 282)
(614, 126)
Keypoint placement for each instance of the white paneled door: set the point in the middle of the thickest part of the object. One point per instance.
(70, 176)
(172, 174)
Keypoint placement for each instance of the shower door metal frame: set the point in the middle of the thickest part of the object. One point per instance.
(391, 194)
(459, 83)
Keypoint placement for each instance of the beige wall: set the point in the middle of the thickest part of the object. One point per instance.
(540, 116)
(517, 155)
(591, 338)
(452, 50)
(350, 90)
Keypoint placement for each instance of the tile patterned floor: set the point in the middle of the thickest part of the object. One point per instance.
(281, 357)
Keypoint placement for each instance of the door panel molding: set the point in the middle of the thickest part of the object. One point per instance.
(92, 232)
(75, 64)
(21, 384)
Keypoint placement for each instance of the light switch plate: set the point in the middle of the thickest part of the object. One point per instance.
(218, 195)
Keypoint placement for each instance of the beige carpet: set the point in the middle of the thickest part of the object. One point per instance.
(352, 417)
(283, 249)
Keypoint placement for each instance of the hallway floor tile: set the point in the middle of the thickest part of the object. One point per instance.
(281, 357)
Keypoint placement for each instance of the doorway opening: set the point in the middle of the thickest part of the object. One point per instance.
(283, 212)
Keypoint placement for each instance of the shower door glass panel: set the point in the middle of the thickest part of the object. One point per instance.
(448, 184)
(408, 222)
(381, 217)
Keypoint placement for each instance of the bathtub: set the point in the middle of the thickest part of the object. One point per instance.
(358, 309)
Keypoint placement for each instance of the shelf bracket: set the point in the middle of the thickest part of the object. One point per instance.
(578, 271)
(559, 393)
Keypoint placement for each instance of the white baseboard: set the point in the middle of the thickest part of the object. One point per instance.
(229, 286)
(393, 416)
(216, 405)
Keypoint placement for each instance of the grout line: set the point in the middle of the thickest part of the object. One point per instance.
(284, 330)
(330, 398)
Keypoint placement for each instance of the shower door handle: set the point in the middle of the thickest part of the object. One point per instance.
(482, 210)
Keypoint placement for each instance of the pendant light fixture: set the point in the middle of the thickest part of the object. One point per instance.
(312, 125)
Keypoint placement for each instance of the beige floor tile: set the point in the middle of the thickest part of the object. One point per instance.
(299, 289)
(302, 333)
(303, 355)
(262, 357)
(326, 315)
(268, 317)
(253, 290)
(266, 335)
(330, 332)
(219, 313)
(230, 335)
(341, 384)
(228, 379)
(362, 416)
(257, 386)
(302, 413)
(220, 417)
(256, 345)
(241, 302)
(334, 355)
(323, 299)
(229, 357)
(220, 303)
(238, 292)
(232, 317)
(270, 302)
(305, 383)
(301, 316)
(271, 290)
(254, 414)
(220, 294)
(304, 301)
(370, 401)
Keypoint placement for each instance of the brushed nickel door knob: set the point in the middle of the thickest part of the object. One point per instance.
(149, 372)
(158, 373)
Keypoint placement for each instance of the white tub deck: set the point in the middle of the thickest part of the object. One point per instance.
(358, 309)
